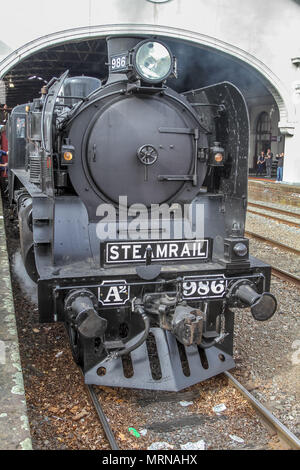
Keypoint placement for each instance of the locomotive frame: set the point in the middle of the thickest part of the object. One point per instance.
(76, 133)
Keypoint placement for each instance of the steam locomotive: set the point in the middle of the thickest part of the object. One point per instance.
(131, 200)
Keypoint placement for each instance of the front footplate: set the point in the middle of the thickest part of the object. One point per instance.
(172, 378)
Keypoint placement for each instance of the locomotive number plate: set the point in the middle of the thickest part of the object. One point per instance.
(204, 287)
(119, 62)
(113, 292)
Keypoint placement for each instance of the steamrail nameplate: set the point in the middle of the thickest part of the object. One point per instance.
(162, 250)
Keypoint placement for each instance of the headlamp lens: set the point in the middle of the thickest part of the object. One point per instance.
(240, 249)
(218, 157)
(153, 61)
(68, 156)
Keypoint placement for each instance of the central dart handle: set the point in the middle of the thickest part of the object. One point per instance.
(147, 155)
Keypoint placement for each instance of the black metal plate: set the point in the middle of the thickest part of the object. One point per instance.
(163, 250)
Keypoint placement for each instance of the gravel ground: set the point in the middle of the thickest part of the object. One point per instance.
(61, 416)
(165, 419)
(274, 230)
(268, 355)
(272, 213)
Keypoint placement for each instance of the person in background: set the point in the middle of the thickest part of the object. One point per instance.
(4, 112)
(269, 159)
(279, 167)
(260, 163)
(3, 166)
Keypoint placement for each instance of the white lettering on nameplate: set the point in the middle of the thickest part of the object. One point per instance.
(130, 252)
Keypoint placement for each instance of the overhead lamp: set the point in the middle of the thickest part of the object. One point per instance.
(35, 77)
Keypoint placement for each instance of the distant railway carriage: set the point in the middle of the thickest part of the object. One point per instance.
(3, 146)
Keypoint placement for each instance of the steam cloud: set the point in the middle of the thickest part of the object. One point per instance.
(28, 287)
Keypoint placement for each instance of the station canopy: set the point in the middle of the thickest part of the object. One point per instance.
(197, 67)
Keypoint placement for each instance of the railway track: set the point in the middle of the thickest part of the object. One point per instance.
(272, 242)
(278, 272)
(274, 209)
(103, 419)
(281, 430)
(277, 219)
(285, 276)
(266, 416)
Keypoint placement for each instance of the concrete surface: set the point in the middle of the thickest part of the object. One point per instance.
(14, 427)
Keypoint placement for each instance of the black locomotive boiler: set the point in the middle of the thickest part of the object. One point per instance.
(146, 297)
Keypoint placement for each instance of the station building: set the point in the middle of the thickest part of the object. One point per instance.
(253, 44)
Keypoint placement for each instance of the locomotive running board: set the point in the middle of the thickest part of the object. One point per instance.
(172, 375)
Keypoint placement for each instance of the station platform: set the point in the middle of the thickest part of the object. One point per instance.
(14, 427)
(267, 190)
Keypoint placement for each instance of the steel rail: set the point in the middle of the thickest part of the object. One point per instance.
(105, 424)
(277, 219)
(286, 276)
(274, 209)
(283, 432)
(272, 242)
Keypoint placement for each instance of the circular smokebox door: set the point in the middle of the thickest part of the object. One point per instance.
(128, 150)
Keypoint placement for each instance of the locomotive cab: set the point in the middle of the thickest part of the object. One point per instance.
(131, 203)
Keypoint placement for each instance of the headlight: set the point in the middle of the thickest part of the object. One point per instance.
(153, 61)
(217, 155)
(240, 249)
